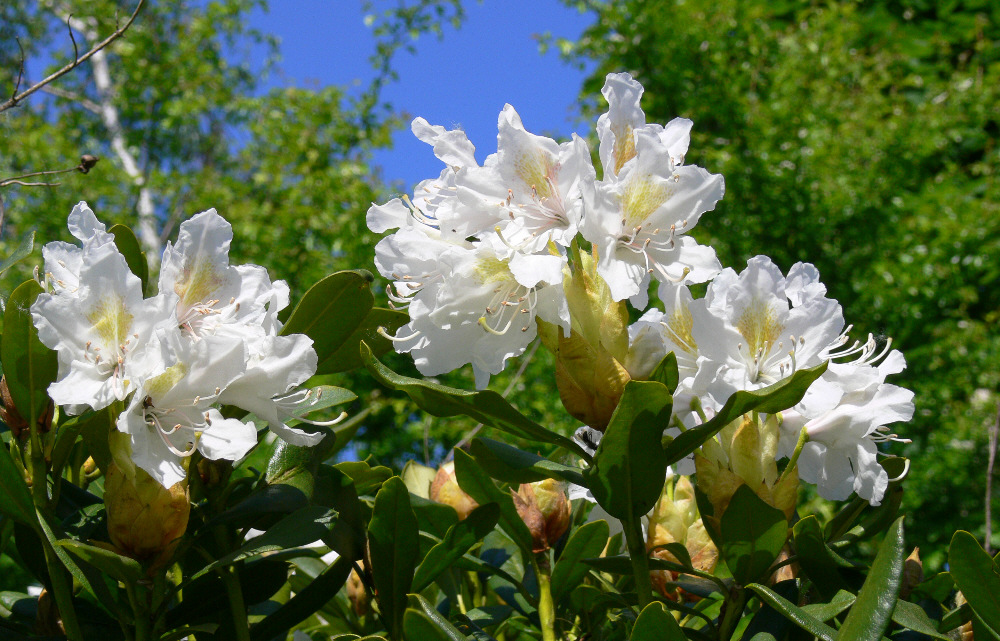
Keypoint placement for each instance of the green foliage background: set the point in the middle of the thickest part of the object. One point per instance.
(860, 137)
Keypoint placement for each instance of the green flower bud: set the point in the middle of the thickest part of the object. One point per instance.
(145, 519)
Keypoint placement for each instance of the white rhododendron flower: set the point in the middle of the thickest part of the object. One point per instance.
(757, 327)
(648, 200)
(845, 415)
(102, 330)
(64, 260)
(171, 414)
(533, 187)
(210, 337)
(213, 296)
(483, 311)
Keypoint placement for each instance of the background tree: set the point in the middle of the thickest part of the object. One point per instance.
(861, 137)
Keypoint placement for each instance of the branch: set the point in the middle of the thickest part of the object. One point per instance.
(18, 97)
(87, 163)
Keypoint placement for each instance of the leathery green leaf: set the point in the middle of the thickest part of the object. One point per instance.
(459, 539)
(29, 367)
(870, 615)
(475, 482)
(977, 576)
(394, 547)
(586, 542)
(629, 469)
(486, 406)
(655, 623)
(753, 534)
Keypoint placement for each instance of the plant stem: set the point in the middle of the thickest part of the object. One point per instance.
(546, 607)
(231, 579)
(640, 563)
(62, 589)
(803, 438)
(733, 610)
(140, 612)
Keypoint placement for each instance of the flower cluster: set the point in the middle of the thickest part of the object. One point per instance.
(208, 338)
(481, 251)
(483, 255)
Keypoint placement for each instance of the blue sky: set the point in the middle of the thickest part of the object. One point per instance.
(462, 80)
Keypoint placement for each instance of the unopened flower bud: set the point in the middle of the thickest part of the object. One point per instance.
(913, 574)
(445, 490)
(545, 509)
(145, 519)
(675, 519)
(47, 619)
(87, 163)
(357, 594)
(89, 466)
(13, 417)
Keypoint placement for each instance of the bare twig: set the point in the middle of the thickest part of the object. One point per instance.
(78, 59)
(994, 433)
(20, 70)
(510, 387)
(87, 162)
(76, 52)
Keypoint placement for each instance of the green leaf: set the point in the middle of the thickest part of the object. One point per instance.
(299, 528)
(977, 576)
(183, 633)
(771, 399)
(753, 534)
(486, 406)
(432, 517)
(135, 258)
(509, 464)
(394, 550)
(29, 367)
(912, 617)
(15, 496)
(417, 624)
(332, 310)
(120, 567)
(367, 479)
(586, 542)
(870, 615)
(348, 357)
(820, 563)
(476, 483)
(23, 250)
(655, 623)
(666, 372)
(794, 613)
(629, 470)
(305, 602)
(460, 538)
(826, 611)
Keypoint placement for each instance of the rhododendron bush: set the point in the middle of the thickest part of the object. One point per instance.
(170, 466)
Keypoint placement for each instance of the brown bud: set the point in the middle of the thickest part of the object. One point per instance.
(545, 509)
(913, 574)
(445, 490)
(47, 619)
(357, 594)
(13, 418)
(87, 163)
